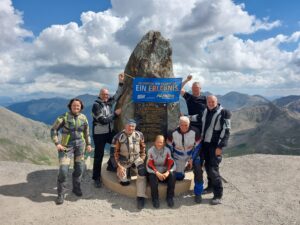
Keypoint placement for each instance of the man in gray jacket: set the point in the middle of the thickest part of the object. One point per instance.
(215, 134)
(103, 118)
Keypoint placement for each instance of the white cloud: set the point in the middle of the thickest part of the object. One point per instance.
(11, 31)
(204, 35)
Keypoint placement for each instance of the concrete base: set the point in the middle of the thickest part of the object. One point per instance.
(111, 181)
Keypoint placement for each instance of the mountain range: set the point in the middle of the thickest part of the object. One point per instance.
(258, 125)
(47, 110)
(291, 103)
(264, 128)
(25, 140)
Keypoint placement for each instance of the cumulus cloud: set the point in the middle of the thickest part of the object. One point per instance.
(82, 58)
(11, 31)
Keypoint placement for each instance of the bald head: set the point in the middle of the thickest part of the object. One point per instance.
(212, 102)
(104, 94)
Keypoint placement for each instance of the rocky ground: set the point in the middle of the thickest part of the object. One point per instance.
(259, 189)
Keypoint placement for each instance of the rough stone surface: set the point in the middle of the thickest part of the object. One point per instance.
(152, 58)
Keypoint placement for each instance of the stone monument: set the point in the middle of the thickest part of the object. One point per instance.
(151, 58)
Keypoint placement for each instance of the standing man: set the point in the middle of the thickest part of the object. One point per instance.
(196, 103)
(215, 134)
(130, 154)
(184, 143)
(103, 118)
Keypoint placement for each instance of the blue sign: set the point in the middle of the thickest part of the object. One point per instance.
(163, 90)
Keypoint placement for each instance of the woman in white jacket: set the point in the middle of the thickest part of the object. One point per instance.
(161, 167)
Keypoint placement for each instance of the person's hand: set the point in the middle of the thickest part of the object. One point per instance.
(59, 147)
(118, 111)
(166, 174)
(190, 164)
(121, 77)
(189, 77)
(88, 148)
(159, 176)
(182, 92)
(121, 171)
(218, 151)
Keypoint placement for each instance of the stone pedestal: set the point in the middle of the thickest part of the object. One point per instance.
(110, 181)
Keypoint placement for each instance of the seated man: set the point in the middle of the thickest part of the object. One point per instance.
(130, 154)
(184, 143)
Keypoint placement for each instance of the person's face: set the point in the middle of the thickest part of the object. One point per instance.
(75, 107)
(196, 90)
(104, 95)
(184, 126)
(159, 143)
(212, 103)
(129, 128)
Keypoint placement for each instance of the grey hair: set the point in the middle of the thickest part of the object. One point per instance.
(197, 83)
(103, 89)
(184, 119)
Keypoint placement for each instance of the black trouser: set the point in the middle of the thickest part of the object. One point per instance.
(100, 140)
(209, 183)
(208, 153)
(153, 180)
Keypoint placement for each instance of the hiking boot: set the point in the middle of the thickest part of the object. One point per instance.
(60, 199)
(155, 203)
(98, 183)
(125, 183)
(77, 192)
(207, 190)
(170, 202)
(198, 199)
(140, 202)
(215, 201)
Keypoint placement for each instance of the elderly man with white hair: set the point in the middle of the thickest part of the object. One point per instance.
(184, 143)
(103, 117)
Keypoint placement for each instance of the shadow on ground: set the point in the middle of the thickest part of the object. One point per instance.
(41, 187)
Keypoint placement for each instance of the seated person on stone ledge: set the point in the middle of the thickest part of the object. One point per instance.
(161, 167)
(184, 143)
(111, 164)
(130, 154)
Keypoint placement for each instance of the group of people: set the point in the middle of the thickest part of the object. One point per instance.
(196, 143)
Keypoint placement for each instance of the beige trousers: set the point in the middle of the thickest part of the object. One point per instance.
(140, 181)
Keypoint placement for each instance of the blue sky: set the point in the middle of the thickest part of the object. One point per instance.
(57, 48)
(38, 15)
(285, 11)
